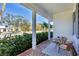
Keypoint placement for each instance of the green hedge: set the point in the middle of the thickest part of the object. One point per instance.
(41, 37)
(16, 44)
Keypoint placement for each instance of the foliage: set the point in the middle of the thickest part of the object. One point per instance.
(17, 22)
(41, 37)
(15, 45)
(38, 27)
(25, 26)
(44, 25)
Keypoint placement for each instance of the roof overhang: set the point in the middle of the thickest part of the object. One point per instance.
(49, 9)
(37, 9)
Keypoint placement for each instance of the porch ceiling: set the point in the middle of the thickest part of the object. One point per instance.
(48, 9)
(54, 7)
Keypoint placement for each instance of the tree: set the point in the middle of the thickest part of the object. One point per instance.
(38, 27)
(8, 19)
(13, 20)
(44, 25)
(25, 26)
(16, 22)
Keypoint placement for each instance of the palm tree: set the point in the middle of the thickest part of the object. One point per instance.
(44, 25)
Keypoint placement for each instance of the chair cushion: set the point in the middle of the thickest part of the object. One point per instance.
(63, 46)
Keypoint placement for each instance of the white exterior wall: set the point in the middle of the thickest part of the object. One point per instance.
(63, 24)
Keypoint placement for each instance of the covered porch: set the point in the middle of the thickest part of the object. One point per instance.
(63, 20)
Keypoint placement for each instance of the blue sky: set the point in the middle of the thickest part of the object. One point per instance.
(0, 6)
(18, 9)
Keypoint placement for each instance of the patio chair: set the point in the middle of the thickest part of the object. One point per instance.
(61, 44)
(70, 46)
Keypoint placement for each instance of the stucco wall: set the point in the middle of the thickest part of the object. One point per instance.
(63, 24)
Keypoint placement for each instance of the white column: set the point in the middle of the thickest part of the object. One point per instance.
(48, 29)
(33, 30)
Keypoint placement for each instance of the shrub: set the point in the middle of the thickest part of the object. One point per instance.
(41, 37)
(16, 44)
